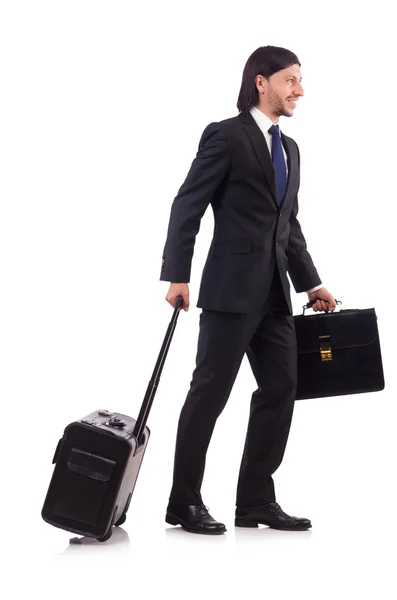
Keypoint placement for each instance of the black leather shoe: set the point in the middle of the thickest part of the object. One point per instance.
(270, 514)
(194, 518)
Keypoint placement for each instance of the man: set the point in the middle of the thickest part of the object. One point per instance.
(248, 171)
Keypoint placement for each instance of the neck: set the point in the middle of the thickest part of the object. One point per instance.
(266, 111)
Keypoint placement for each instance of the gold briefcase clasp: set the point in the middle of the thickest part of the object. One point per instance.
(325, 347)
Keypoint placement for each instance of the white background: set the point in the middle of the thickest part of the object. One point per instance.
(102, 108)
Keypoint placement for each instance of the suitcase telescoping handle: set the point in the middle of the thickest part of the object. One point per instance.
(153, 383)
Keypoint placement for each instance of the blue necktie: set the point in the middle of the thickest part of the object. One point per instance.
(278, 162)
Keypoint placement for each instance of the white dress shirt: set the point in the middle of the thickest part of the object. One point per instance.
(264, 124)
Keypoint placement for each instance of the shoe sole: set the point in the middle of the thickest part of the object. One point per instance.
(173, 521)
(253, 523)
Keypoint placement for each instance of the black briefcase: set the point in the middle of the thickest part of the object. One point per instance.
(338, 353)
(97, 462)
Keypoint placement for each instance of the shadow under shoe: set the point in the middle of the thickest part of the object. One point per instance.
(270, 514)
(194, 518)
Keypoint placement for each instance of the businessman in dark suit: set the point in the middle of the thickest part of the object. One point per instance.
(248, 171)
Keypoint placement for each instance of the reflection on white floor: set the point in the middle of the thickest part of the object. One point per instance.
(119, 539)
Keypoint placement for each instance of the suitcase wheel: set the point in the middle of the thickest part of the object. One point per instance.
(106, 537)
(121, 521)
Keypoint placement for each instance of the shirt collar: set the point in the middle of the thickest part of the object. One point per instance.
(263, 122)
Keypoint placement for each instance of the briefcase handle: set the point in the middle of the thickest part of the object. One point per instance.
(310, 304)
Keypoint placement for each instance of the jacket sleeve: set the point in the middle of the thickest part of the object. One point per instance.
(208, 170)
(301, 269)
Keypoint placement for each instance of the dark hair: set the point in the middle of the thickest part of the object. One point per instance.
(265, 61)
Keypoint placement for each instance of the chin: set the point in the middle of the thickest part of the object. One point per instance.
(287, 112)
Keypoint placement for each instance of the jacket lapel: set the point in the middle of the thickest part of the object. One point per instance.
(291, 163)
(261, 150)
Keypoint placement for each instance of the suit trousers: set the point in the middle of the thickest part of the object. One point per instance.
(267, 336)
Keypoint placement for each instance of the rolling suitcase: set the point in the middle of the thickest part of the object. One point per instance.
(97, 462)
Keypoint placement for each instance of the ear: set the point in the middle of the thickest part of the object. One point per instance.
(261, 83)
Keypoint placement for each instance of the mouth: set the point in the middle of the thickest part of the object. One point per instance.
(292, 102)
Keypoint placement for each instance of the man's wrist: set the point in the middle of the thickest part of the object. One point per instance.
(318, 287)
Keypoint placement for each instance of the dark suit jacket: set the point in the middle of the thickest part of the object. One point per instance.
(233, 172)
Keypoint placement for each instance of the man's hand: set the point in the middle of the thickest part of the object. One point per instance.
(325, 301)
(178, 289)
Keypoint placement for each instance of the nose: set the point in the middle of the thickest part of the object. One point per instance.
(298, 89)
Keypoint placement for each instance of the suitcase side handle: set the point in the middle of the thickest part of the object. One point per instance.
(154, 380)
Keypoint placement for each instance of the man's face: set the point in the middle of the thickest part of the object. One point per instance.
(281, 92)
